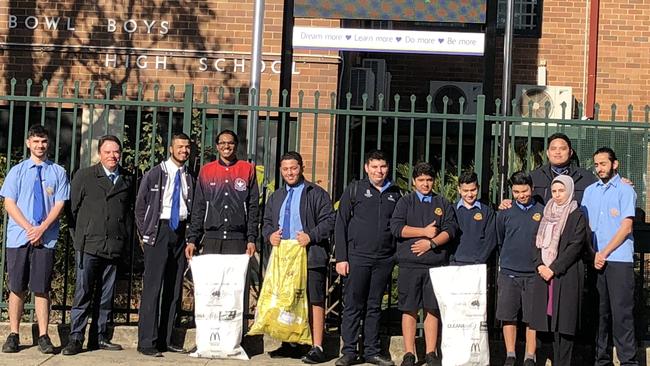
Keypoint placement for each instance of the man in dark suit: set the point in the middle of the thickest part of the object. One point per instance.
(101, 221)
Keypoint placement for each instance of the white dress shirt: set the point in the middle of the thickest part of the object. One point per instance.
(171, 169)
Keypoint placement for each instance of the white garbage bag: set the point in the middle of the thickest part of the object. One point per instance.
(219, 283)
(461, 292)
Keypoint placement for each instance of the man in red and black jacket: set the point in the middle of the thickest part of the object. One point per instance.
(225, 210)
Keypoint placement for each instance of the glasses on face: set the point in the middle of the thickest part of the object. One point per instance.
(226, 143)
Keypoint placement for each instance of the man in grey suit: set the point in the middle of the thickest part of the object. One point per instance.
(102, 220)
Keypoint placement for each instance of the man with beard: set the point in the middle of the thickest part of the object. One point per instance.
(302, 211)
(162, 214)
(34, 193)
(101, 221)
(365, 250)
(610, 207)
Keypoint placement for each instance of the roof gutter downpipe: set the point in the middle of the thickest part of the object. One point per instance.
(594, 16)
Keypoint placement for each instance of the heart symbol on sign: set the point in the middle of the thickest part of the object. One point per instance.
(441, 40)
(348, 37)
(398, 38)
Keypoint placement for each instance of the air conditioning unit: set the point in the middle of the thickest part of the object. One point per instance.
(532, 101)
(378, 67)
(454, 90)
(362, 80)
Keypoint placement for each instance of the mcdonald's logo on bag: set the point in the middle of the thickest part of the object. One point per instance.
(476, 348)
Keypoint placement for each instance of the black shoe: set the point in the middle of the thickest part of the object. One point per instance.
(432, 359)
(286, 350)
(314, 356)
(149, 351)
(174, 349)
(72, 348)
(45, 345)
(408, 360)
(529, 362)
(510, 361)
(12, 345)
(105, 344)
(380, 360)
(347, 360)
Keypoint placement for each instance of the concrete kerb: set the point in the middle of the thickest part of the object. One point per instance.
(258, 346)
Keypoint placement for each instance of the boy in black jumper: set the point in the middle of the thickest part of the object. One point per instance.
(477, 235)
(423, 222)
(516, 230)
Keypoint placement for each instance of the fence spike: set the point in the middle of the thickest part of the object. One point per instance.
(630, 110)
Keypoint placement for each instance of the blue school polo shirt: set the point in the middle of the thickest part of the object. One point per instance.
(606, 205)
(19, 186)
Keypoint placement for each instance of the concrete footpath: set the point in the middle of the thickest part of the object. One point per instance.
(256, 346)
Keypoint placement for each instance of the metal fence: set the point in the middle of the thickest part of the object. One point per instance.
(327, 130)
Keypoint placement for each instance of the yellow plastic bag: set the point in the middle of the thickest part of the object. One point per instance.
(282, 309)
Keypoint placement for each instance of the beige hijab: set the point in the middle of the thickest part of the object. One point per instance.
(554, 220)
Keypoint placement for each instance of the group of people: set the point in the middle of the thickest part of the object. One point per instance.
(561, 219)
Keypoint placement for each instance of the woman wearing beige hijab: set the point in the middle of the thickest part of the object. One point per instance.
(560, 244)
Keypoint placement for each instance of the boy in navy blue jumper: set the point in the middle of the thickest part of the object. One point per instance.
(516, 230)
(423, 222)
(477, 235)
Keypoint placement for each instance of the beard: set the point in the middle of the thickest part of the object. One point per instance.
(606, 176)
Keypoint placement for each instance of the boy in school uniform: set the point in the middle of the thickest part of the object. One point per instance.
(477, 234)
(423, 223)
(516, 230)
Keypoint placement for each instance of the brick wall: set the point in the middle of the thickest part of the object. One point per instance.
(204, 42)
(623, 62)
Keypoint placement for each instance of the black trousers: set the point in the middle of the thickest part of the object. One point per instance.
(95, 283)
(164, 266)
(562, 349)
(362, 293)
(615, 285)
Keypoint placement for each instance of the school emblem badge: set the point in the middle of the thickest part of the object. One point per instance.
(537, 217)
(49, 191)
(614, 212)
(240, 184)
(478, 216)
(438, 211)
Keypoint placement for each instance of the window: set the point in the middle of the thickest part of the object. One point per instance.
(528, 17)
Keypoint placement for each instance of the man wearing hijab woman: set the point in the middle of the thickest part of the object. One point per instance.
(560, 242)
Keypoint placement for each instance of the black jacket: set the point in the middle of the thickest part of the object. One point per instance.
(363, 230)
(317, 218)
(543, 176)
(101, 213)
(149, 203)
(568, 280)
(226, 203)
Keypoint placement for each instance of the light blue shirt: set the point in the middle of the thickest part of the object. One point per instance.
(296, 224)
(424, 198)
(476, 204)
(116, 172)
(606, 205)
(387, 184)
(525, 207)
(19, 186)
